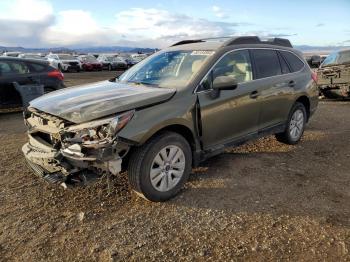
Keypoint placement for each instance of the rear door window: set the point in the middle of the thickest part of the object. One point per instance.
(266, 63)
(294, 62)
(19, 68)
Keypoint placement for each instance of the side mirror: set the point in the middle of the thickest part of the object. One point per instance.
(224, 83)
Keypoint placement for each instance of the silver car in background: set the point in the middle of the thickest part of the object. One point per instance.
(64, 62)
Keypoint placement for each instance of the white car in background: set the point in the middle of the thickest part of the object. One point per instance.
(12, 54)
(32, 56)
(64, 62)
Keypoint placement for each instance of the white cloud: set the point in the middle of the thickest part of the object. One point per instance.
(218, 12)
(163, 27)
(76, 27)
(26, 10)
(33, 23)
(23, 21)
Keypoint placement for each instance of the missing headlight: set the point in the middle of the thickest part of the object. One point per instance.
(99, 131)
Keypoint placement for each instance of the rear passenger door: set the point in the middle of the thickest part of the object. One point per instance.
(39, 74)
(14, 71)
(9, 97)
(275, 87)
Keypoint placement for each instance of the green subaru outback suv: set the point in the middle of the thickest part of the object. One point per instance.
(171, 111)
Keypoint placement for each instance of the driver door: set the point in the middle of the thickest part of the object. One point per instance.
(228, 115)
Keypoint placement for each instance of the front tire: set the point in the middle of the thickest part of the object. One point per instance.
(159, 169)
(295, 125)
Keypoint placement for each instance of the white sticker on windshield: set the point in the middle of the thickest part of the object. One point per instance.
(202, 52)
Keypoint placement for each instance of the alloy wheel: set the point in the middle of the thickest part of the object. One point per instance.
(296, 125)
(167, 168)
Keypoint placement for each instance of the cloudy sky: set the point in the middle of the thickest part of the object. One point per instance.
(152, 23)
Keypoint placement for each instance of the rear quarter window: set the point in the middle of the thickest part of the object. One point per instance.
(294, 62)
(266, 63)
(284, 65)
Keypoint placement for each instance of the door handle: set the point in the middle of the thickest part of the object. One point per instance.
(254, 94)
(291, 83)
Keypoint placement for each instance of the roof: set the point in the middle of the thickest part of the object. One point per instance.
(197, 46)
(215, 43)
(23, 59)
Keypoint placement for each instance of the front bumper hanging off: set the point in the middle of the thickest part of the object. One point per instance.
(57, 167)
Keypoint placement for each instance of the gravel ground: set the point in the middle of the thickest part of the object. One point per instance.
(261, 201)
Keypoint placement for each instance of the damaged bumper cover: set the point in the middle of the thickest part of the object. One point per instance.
(71, 154)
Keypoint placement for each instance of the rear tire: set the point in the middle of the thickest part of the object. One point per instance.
(158, 169)
(295, 125)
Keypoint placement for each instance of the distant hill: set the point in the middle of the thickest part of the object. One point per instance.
(319, 49)
(124, 49)
(114, 49)
(98, 49)
(35, 50)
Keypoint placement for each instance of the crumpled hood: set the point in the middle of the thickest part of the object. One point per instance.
(92, 101)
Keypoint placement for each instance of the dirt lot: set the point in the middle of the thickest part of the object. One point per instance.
(261, 201)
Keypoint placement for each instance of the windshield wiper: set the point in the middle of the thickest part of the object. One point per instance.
(141, 83)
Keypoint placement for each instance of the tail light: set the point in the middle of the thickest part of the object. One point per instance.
(314, 76)
(56, 74)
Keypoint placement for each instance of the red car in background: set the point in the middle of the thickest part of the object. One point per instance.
(90, 63)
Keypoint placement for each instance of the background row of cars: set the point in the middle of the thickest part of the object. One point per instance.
(21, 74)
(84, 62)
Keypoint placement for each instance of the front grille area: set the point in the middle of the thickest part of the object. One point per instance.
(73, 63)
(46, 137)
(53, 178)
(38, 170)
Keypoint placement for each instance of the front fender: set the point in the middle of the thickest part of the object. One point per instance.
(146, 122)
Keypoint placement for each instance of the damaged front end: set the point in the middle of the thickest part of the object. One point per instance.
(65, 153)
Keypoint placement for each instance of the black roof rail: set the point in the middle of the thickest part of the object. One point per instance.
(184, 42)
(279, 41)
(241, 40)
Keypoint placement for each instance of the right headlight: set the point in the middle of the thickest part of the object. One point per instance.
(102, 130)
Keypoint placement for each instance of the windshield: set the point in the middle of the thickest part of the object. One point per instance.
(331, 59)
(33, 56)
(167, 69)
(66, 57)
(344, 57)
(114, 59)
(110, 58)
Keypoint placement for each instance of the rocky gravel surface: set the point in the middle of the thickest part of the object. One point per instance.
(261, 201)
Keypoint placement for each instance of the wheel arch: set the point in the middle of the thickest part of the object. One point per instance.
(180, 129)
(306, 102)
